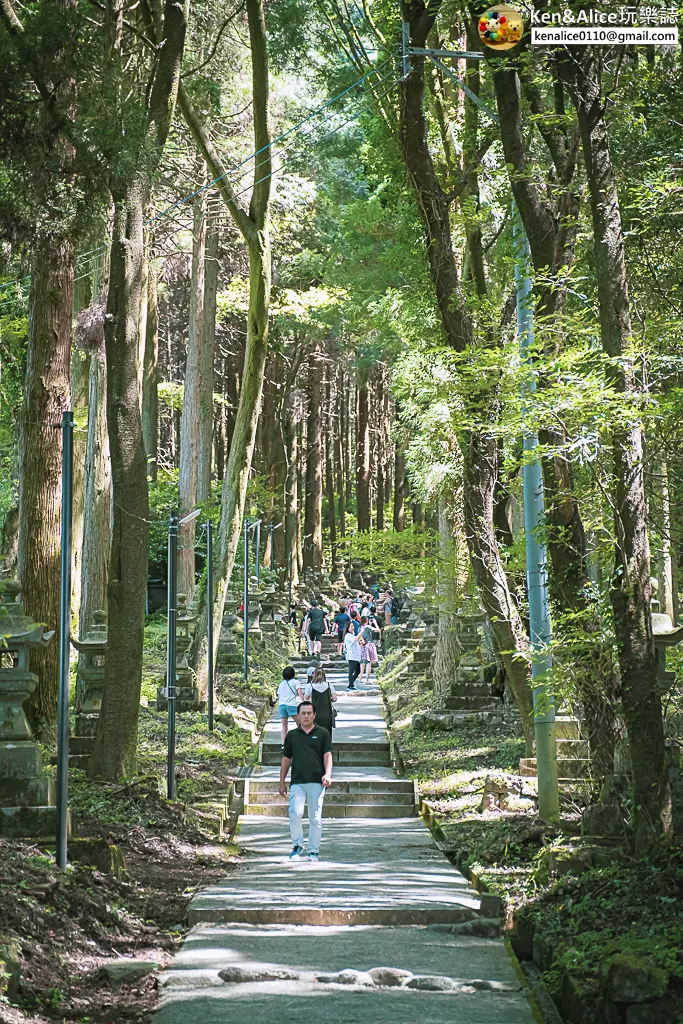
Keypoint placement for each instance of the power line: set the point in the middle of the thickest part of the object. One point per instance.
(273, 142)
(305, 135)
(95, 253)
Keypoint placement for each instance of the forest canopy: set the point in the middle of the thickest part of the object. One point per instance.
(273, 255)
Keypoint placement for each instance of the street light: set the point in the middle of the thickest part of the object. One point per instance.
(173, 526)
(209, 613)
(190, 516)
(245, 597)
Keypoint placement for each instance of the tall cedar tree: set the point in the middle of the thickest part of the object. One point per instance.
(114, 754)
(255, 229)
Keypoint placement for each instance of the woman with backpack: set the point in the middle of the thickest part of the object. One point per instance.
(368, 652)
(322, 696)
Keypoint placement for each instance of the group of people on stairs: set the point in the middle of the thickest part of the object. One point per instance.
(357, 629)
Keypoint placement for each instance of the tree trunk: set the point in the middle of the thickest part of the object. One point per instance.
(665, 562)
(447, 651)
(348, 402)
(189, 423)
(300, 494)
(97, 521)
(206, 363)
(481, 469)
(46, 397)
(363, 460)
(313, 527)
(630, 590)
(399, 484)
(338, 432)
(329, 473)
(292, 417)
(551, 235)
(221, 425)
(115, 753)
(79, 404)
(234, 492)
(255, 228)
(480, 454)
(150, 381)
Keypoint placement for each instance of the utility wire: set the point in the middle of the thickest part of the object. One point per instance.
(273, 142)
(304, 135)
(95, 253)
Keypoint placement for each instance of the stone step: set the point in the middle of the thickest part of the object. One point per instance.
(567, 767)
(343, 759)
(334, 810)
(182, 705)
(341, 747)
(571, 748)
(470, 689)
(257, 786)
(471, 703)
(79, 761)
(332, 797)
(567, 727)
(81, 744)
(32, 822)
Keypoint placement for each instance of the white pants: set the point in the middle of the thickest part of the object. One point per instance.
(313, 794)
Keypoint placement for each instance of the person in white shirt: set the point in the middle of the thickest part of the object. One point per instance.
(352, 653)
(288, 699)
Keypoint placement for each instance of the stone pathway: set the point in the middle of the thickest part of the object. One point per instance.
(274, 934)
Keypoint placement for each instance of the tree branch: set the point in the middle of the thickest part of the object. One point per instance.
(217, 168)
(162, 100)
(212, 51)
(260, 197)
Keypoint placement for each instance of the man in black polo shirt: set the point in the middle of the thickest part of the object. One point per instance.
(308, 749)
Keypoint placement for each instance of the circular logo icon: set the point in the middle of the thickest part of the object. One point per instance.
(501, 27)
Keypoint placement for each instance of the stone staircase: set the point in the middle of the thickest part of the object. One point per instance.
(572, 752)
(346, 798)
(344, 755)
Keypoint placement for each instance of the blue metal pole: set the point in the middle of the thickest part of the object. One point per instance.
(536, 555)
(171, 651)
(258, 552)
(209, 611)
(64, 644)
(245, 596)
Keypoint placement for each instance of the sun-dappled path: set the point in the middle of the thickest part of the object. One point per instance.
(275, 933)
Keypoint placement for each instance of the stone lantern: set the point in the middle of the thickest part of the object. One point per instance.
(186, 693)
(26, 792)
(92, 653)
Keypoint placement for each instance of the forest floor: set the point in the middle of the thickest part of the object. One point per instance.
(62, 928)
(573, 907)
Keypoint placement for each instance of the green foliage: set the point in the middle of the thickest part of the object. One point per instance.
(404, 558)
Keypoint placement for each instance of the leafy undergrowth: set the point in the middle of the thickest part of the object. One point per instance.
(216, 754)
(632, 907)
(583, 918)
(65, 925)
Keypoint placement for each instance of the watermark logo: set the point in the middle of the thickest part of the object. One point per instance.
(501, 27)
(615, 26)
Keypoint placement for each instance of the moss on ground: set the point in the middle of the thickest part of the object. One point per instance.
(585, 917)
